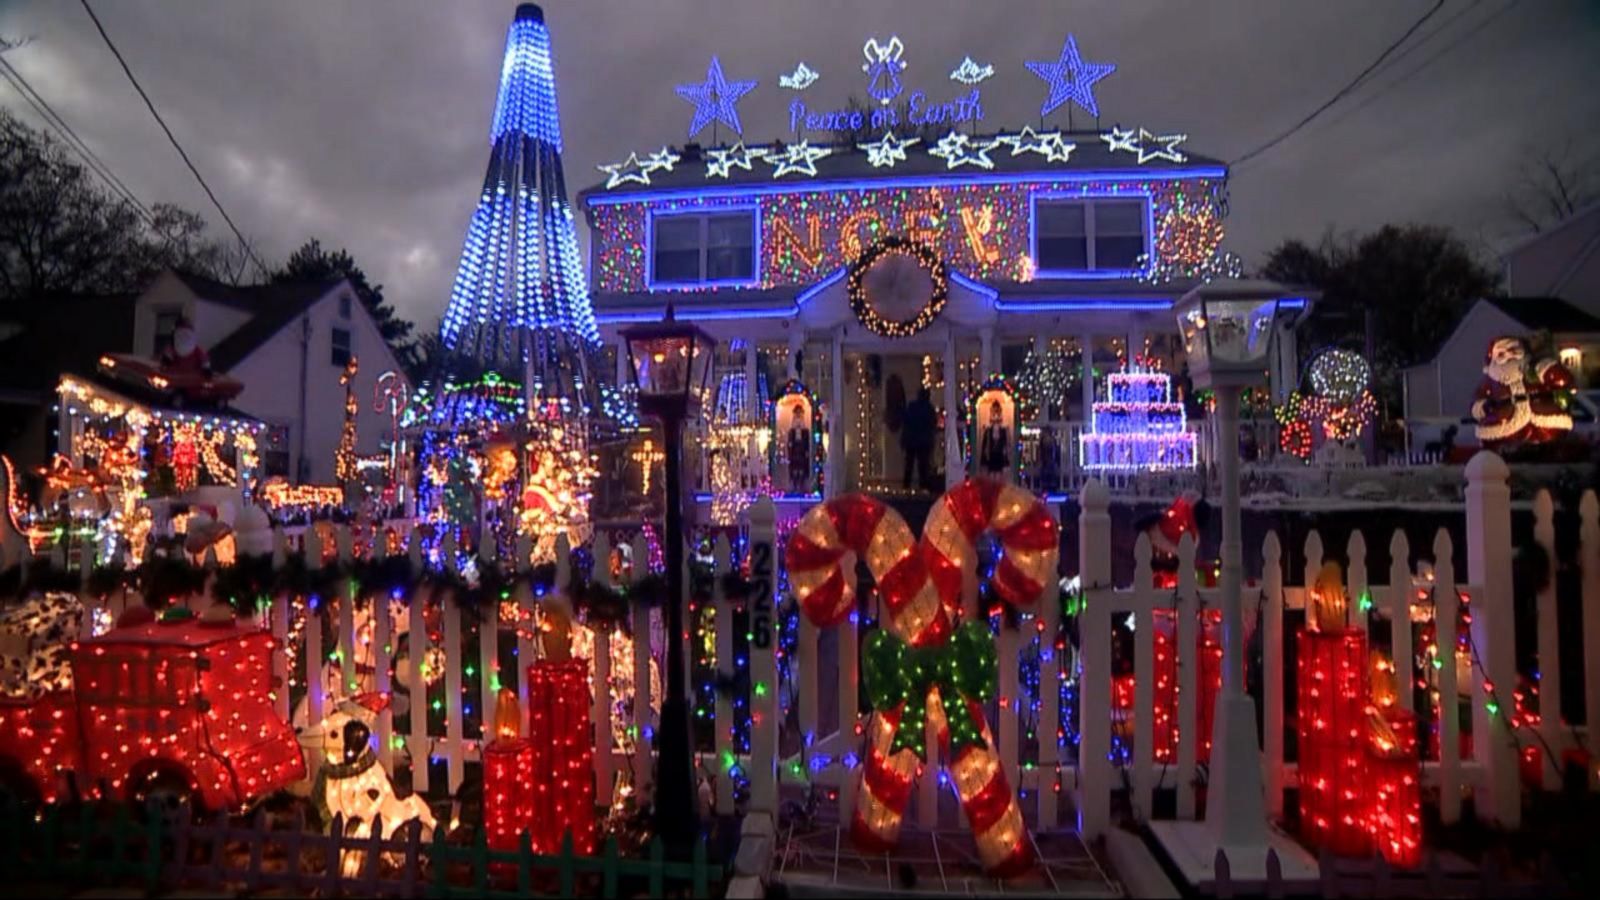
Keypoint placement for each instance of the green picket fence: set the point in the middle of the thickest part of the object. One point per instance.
(102, 844)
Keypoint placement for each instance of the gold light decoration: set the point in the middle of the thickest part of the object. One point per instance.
(867, 312)
(648, 456)
(344, 457)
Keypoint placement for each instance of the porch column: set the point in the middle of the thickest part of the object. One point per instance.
(752, 387)
(623, 377)
(1135, 341)
(1088, 374)
(955, 469)
(989, 361)
(835, 485)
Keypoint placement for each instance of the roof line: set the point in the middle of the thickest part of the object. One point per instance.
(1581, 257)
(1564, 224)
(747, 189)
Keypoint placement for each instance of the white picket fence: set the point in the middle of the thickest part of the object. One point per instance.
(831, 760)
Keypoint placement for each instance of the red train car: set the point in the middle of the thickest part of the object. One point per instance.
(179, 707)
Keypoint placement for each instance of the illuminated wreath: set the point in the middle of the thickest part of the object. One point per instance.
(867, 313)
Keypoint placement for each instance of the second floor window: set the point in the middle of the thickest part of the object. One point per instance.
(166, 325)
(1088, 236)
(343, 346)
(696, 248)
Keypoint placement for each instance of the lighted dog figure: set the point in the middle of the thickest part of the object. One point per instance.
(353, 784)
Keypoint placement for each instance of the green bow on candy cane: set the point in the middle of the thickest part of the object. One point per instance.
(899, 677)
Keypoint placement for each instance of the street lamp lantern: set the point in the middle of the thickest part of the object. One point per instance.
(670, 362)
(1229, 336)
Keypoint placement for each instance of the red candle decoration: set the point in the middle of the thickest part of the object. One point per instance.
(1332, 725)
(1393, 774)
(508, 791)
(1208, 648)
(562, 765)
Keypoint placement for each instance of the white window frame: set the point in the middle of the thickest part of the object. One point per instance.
(1089, 202)
(704, 216)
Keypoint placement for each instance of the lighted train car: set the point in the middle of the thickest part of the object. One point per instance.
(179, 708)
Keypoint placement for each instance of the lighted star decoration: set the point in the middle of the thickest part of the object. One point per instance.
(630, 169)
(1121, 139)
(970, 72)
(1167, 150)
(801, 157)
(1070, 78)
(957, 149)
(722, 161)
(888, 150)
(1051, 145)
(802, 78)
(715, 99)
(661, 160)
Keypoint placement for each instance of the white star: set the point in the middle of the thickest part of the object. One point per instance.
(801, 157)
(722, 161)
(1055, 148)
(885, 152)
(663, 159)
(628, 170)
(1050, 144)
(1169, 147)
(957, 149)
(1121, 139)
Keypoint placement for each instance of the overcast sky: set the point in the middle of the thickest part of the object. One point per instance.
(365, 123)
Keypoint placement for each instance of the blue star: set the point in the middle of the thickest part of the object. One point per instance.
(714, 99)
(1070, 78)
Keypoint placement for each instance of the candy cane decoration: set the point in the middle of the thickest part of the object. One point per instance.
(924, 668)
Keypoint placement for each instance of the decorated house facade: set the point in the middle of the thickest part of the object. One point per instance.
(903, 251)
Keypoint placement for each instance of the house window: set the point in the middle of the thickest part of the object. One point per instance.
(344, 306)
(694, 248)
(343, 346)
(274, 449)
(1089, 236)
(166, 325)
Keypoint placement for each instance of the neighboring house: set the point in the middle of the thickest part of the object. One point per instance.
(1561, 261)
(288, 344)
(1443, 387)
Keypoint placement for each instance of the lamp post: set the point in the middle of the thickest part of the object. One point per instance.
(1229, 336)
(670, 363)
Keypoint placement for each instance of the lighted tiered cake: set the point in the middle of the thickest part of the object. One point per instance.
(1138, 426)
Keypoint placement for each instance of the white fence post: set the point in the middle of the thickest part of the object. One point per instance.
(1356, 580)
(454, 727)
(1187, 648)
(1144, 680)
(382, 666)
(315, 682)
(765, 631)
(1094, 695)
(489, 639)
(605, 762)
(279, 614)
(1551, 728)
(1445, 608)
(1589, 511)
(1272, 672)
(722, 609)
(1400, 593)
(642, 742)
(1493, 634)
(522, 595)
(344, 595)
(417, 645)
(1050, 663)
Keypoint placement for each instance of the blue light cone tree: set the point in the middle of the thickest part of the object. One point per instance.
(520, 304)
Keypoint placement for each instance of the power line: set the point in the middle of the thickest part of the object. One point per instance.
(1336, 97)
(1430, 60)
(173, 139)
(70, 137)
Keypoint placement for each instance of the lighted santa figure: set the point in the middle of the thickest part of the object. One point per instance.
(182, 370)
(184, 356)
(1518, 405)
(1165, 529)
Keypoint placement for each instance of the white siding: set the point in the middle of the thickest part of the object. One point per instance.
(1455, 372)
(271, 375)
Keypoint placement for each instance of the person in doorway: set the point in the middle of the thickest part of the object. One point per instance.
(994, 452)
(916, 438)
(1049, 460)
(798, 449)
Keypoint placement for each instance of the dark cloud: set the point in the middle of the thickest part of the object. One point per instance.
(365, 123)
